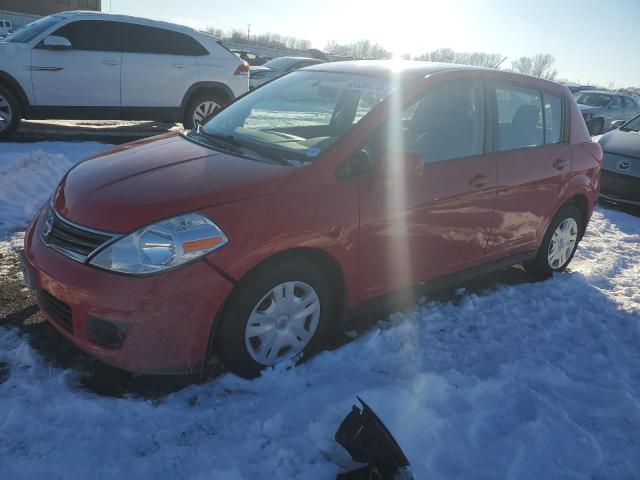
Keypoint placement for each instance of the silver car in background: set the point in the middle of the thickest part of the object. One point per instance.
(601, 109)
(620, 178)
(278, 67)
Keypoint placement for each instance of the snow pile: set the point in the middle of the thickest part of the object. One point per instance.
(538, 380)
(9, 255)
(30, 172)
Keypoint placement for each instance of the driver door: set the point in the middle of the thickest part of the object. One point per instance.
(421, 225)
(86, 75)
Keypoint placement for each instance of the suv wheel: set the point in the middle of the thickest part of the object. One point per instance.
(279, 313)
(558, 245)
(9, 113)
(200, 109)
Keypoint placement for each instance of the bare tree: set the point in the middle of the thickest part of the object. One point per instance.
(540, 65)
(447, 55)
(360, 49)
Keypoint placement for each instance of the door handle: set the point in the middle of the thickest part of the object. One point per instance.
(180, 65)
(110, 62)
(560, 163)
(478, 181)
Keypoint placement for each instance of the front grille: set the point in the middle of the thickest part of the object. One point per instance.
(57, 309)
(72, 240)
(624, 187)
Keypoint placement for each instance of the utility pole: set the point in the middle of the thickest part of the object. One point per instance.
(248, 32)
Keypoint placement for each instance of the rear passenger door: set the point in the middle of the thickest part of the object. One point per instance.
(630, 108)
(533, 161)
(158, 67)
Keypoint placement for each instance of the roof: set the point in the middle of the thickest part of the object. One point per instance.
(408, 69)
(130, 19)
(602, 92)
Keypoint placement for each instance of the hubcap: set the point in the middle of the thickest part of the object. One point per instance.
(282, 323)
(562, 243)
(6, 114)
(204, 111)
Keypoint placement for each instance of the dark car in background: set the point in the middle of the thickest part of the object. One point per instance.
(252, 58)
(579, 88)
(600, 109)
(277, 67)
(621, 170)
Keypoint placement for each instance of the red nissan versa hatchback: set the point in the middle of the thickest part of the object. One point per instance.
(318, 192)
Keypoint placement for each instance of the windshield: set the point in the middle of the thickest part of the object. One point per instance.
(593, 99)
(299, 116)
(279, 63)
(33, 29)
(632, 125)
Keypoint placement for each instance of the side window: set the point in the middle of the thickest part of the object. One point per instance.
(616, 102)
(628, 103)
(519, 117)
(553, 118)
(144, 39)
(96, 35)
(447, 122)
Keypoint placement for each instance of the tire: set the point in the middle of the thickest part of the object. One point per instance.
(595, 127)
(233, 342)
(206, 104)
(9, 113)
(546, 263)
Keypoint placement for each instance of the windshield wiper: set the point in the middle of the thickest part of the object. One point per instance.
(239, 147)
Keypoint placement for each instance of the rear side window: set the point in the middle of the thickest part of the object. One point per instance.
(628, 103)
(93, 35)
(447, 122)
(520, 121)
(553, 118)
(616, 102)
(144, 39)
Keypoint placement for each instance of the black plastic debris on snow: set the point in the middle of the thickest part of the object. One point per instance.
(367, 440)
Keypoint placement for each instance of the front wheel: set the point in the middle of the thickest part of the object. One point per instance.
(278, 313)
(558, 245)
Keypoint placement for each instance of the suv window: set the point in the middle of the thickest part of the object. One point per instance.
(628, 103)
(144, 39)
(519, 117)
(616, 102)
(553, 118)
(447, 122)
(96, 35)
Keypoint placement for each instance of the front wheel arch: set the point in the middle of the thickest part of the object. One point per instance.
(319, 258)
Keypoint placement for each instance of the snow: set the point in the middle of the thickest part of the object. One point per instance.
(28, 174)
(535, 380)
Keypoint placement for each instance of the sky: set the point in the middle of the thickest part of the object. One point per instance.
(591, 41)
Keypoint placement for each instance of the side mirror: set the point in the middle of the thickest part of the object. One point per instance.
(408, 162)
(617, 124)
(53, 42)
(357, 165)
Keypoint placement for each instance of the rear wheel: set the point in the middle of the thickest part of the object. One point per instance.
(9, 113)
(278, 313)
(201, 108)
(558, 245)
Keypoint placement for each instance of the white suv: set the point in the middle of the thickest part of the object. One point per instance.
(87, 65)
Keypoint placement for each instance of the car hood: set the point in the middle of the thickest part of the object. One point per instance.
(621, 143)
(145, 181)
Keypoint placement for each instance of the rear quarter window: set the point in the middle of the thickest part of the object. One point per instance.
(145, 39)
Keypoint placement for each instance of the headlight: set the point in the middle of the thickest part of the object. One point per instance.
(163, 245)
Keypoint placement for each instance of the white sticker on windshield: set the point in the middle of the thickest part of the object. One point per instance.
(313, 152)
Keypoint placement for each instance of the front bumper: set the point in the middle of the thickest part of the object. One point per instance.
(619, 188)
(165, 320)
